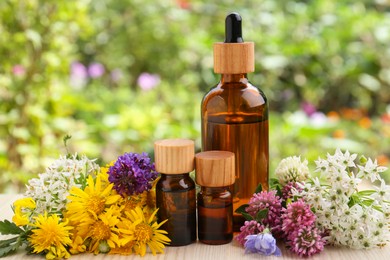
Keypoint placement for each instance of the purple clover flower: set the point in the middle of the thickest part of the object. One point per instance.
(251, 227)
(306, 241)
(296, 216)
(288, 188)
(264, 244)
(95, 70)
(132, 174)
(267, 200)
(147, 81)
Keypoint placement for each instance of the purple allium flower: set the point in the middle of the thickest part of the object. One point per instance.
(18, 70)
(306, 241)
(249, 228)
(297, 215)
(148, 81)
(132, 174)
(264, 244)
(95, 70)
(287, 190)
(267, 200)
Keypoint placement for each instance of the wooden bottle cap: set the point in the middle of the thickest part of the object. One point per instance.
(215, 168)
(234, 58)
(174, 156)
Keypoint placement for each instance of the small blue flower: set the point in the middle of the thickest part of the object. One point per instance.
(264, 244)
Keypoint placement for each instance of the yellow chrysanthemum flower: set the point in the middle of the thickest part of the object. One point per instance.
(104, 173)
(89, 202)
(51, 236)
(145, 232)
(78, 246)
(101, 230)
(126, 249)
(131, 202)
(23, 210)
(150, 204)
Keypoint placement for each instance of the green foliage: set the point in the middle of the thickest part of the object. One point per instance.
(9, 228)
(330, 53)
(36, 48)
(241, 209)
(10, 245)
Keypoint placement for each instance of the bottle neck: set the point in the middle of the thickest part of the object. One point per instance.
(215, 190)
(175, 176)
(234, 78)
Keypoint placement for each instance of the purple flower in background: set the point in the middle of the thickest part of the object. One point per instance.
(147, 81)
(18, 70)
(264, 244)
(78, 75)
(132, 174)
(318, 119)
(95, 70)
(116, 75)
(308, 108)
(78, 70)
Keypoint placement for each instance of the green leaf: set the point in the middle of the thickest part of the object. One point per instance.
(10, 248)
(241, 209)
(7, 242)
(273, 182)
(366, 192)
(259, 188)
(9, 228)
(261, 215)
(247, 216)
(279, 191)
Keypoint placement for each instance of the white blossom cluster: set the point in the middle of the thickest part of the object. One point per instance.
(353, 218)
(51, 188)
(291, 169)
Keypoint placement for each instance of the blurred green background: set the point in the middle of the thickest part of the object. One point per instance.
(119, 74)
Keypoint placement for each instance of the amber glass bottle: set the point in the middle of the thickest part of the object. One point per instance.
(235, 114)
(215, 175)
(175, 190)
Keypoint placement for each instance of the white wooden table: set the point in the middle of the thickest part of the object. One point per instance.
(205, 252)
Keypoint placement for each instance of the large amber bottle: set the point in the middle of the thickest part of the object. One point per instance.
(235, 114)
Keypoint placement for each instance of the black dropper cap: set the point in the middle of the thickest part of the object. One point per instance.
(233, 32)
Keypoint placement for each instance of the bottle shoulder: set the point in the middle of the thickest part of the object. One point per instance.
(245, 92)
(235, 103)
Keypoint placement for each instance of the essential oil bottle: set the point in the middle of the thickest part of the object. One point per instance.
(215, 175)
(175, 191)
(235, 114)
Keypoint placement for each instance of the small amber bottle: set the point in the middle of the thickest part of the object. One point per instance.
(215, 174)
(175, 191)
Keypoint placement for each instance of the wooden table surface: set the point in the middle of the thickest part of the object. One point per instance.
(204, 252)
